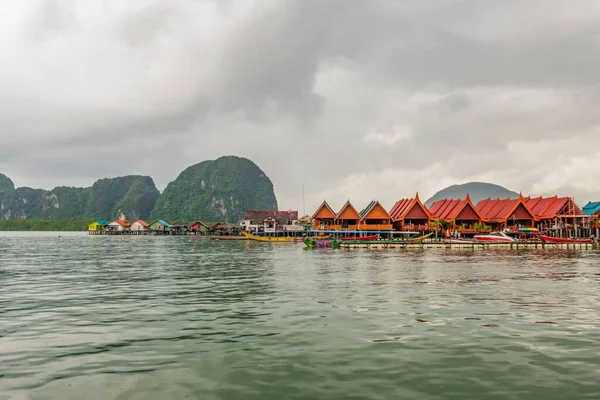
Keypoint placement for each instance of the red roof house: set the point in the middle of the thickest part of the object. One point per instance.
(506, 213)
(410, 214)
(462, 213)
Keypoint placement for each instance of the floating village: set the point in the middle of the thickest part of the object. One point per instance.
(518, 222)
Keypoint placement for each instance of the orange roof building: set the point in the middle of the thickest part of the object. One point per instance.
(375, 218)
(462, 213)
(506, 213)
(324, 217)
(410, 214)
(347, 217)
(557, 213)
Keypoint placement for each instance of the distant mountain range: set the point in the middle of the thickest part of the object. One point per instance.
(215, 190)
(477, 191)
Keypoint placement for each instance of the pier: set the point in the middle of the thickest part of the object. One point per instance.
(471, 246)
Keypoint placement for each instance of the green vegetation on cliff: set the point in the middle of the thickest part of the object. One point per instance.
(132, 196)
(216, 190)
(34, 225)
(6, 184)
(219, 190)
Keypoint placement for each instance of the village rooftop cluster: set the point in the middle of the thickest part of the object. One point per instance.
(557, 216)
(254, 221)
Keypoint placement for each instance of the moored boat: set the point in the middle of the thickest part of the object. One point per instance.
(555, 240)
(270, 239)
(494, 237)
(318, 244)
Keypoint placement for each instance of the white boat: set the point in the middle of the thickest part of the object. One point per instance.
(495, 237)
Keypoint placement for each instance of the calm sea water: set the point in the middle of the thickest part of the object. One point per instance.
(188, 318)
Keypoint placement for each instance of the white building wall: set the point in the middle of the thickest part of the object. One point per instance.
(136, 226)
(115, 226)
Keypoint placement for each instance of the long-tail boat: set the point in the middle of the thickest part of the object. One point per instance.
(271, 239)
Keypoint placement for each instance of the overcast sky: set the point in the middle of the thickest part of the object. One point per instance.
(353, 99)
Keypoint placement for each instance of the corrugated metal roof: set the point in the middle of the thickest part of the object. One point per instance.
(102, 222)
(368, 208)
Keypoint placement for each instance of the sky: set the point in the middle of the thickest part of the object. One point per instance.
(359, 100)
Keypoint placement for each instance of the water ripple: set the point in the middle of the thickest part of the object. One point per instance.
(153, 318)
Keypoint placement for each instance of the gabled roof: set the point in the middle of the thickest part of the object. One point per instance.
(539, 205)
(199, 222)
(403, 207)
(102, 222)
(142, 223)
(324, 211)
(121, 222)
(349, 210)
(593, 207)
(225, 225)
(500, 210)
(550, 207)
(162, 222)
(449, 209)
(370, 208)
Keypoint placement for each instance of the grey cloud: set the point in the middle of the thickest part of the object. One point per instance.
(395, 96)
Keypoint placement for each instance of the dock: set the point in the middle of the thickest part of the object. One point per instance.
(471, 246)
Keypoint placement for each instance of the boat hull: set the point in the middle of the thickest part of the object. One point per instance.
(270, 239)
(550, 239)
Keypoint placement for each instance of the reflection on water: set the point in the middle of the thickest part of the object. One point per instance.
(176, 317)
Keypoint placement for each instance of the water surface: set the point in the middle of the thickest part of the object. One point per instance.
(97, 317)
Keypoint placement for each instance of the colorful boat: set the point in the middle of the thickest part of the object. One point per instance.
(370, 237)
(494, 237)
(554, 240)
(271, 239)
(321, 244)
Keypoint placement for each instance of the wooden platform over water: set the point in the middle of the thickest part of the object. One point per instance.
(470, 245)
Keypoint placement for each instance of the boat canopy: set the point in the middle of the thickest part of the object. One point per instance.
(526, 229)
(364, 232)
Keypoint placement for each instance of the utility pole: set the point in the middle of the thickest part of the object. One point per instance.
(303, 209)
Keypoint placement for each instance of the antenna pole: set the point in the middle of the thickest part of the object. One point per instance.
(303, 208)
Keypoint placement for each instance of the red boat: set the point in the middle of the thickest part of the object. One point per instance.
(550, 239)
(370, 237)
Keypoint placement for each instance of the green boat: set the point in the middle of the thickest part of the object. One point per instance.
(321, 243)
